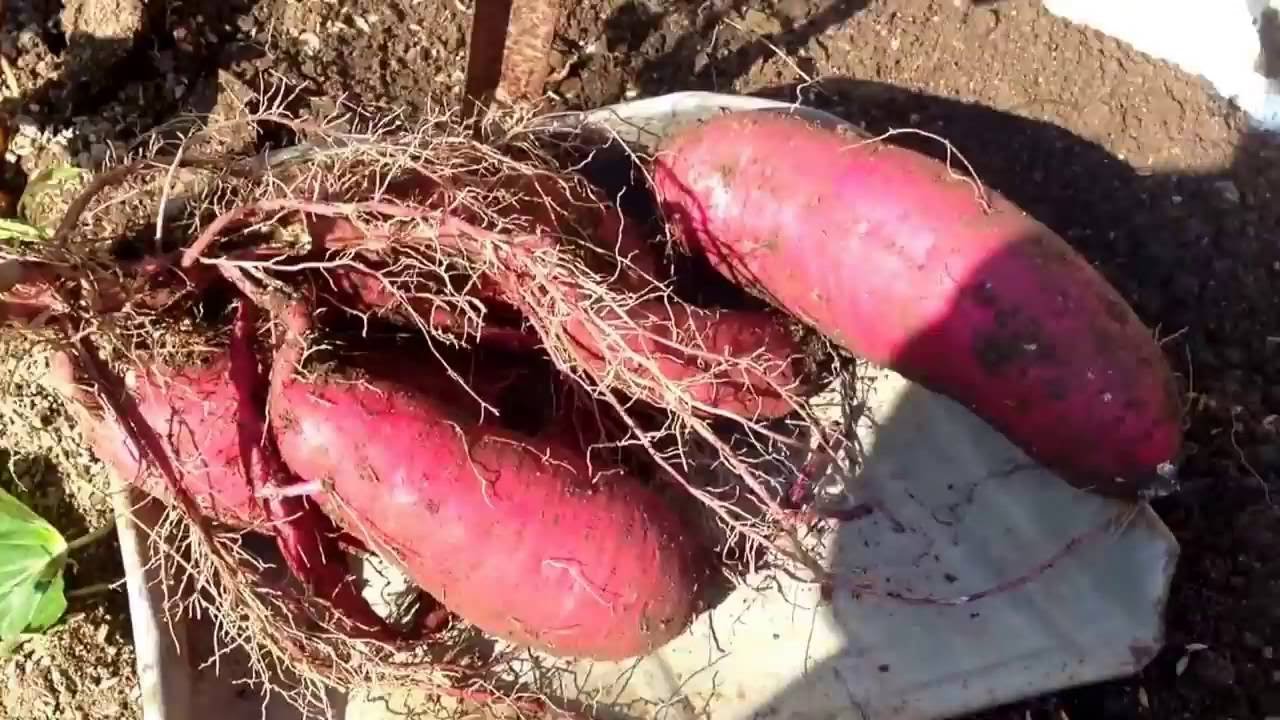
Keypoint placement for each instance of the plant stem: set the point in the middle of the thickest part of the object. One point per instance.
(87, 590)
(91, 537)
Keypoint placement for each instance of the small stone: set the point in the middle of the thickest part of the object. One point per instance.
(794, 10)
(985, 21)
(1228, 190)
(760, 23)
(310, 41)
(571, 87)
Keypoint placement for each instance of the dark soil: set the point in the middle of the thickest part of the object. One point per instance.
(1137, 164)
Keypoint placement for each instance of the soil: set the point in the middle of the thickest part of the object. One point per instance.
(1161, 184)
(84, 666)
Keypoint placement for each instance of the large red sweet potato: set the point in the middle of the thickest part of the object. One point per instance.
(193, 410)
(516, 534)
(218, 453)
(896, 258)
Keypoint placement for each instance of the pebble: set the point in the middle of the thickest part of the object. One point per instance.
(310, 41)
(1229, 191)
(794, 9)
(986, 20)
(758, 22)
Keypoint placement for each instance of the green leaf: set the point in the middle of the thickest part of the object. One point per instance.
(51, 603)
(18, 232)
(32, 557)
(48, 179)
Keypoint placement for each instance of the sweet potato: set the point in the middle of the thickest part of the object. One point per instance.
(601, 566)
(366, 292)
(194, 411)
(692, 346)
(898, 259)
(746, 362)
(305, 536)
(197, 416)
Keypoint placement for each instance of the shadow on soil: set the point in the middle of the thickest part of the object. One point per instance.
(1172, 244)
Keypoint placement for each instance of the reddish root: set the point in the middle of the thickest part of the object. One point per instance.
(306, 537)
(34, 292)
(404, 301)
(737, 362)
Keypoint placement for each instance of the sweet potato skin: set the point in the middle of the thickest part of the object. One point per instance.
(194, 411)
(895, 258)
(506, 531)
(734, 361)
(199, 418)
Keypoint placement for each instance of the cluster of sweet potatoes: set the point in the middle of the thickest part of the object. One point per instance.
(524, 532)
